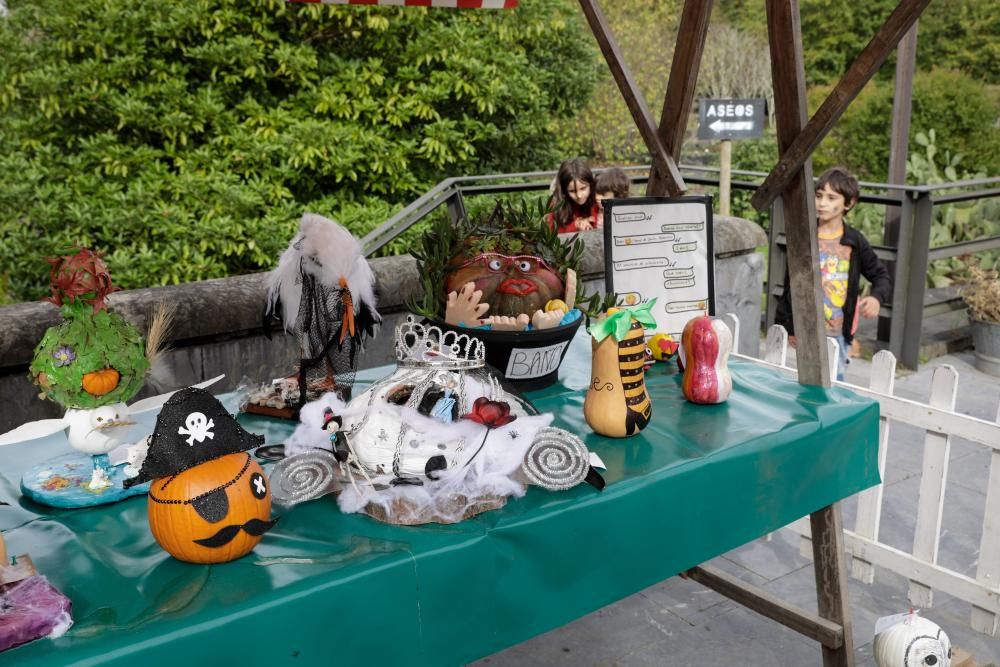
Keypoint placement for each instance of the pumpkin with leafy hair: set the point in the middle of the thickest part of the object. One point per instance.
(516, 263)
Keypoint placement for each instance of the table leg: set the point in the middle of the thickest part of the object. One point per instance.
(831, 580)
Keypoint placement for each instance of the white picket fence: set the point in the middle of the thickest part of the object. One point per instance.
(940, 423)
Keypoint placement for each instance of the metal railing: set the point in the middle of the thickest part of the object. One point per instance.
(910, 256)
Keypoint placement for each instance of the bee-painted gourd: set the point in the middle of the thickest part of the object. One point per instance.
(705, 347)
(617, 404)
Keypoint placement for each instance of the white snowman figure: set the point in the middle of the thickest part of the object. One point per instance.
(96, 432)
(913, 642)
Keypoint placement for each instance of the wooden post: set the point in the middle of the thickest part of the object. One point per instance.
(725, 176)
(902, 104)
(830, 566)
(798, 200)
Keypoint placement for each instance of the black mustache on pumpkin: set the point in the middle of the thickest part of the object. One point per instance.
(254, 527)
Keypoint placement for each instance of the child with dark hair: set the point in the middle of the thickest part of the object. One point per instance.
(844, 256)
(612, 183)
(576, 208)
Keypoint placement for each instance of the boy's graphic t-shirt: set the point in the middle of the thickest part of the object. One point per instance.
(834, 263)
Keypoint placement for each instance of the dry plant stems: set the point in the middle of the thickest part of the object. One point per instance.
(982, 294)
(161, 320)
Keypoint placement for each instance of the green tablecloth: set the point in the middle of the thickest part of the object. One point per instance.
(329, 588)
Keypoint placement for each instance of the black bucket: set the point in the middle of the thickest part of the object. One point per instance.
(526, 359)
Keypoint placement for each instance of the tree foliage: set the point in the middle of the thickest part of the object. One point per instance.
(951, 34)
(958, 108)
(185, 139)
(602, 127)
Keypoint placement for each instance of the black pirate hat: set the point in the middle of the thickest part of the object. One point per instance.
(192, 428)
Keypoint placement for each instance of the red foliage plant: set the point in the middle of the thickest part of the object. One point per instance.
(82, 277)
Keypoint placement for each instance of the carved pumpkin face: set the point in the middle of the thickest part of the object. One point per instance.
(511, 284)
(212, 513)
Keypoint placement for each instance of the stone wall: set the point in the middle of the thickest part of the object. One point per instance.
(217, 325)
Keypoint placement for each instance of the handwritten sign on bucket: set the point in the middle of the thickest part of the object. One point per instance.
(534, 362)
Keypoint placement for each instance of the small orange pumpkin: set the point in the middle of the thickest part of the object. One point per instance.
(99, 383)
(212, 513)
(3, 552)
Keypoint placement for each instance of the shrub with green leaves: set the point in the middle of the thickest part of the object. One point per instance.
(961, 109)
(953, 34)
(185, 139)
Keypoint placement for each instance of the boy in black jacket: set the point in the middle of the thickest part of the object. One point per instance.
(844, 256)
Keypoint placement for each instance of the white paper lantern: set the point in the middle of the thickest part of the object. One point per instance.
(914, 642)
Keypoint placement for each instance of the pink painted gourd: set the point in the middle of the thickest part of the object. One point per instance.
(705, 347)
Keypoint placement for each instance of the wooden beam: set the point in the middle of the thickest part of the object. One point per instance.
(830, 565)
(798, 200)
(902, 104)
(757, 599)
(663, 162)
(858, 74)
(682, 85)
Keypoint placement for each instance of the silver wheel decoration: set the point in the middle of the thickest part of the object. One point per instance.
(304, 477)
(557, 460)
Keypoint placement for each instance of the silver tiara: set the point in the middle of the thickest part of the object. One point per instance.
(419, 346)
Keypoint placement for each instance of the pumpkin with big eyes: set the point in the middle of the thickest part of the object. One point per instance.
(215, 512)
(511, 284)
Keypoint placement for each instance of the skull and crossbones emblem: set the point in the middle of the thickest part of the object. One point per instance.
(198, 427)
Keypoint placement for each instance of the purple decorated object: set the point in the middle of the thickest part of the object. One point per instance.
(64, 356)
(32, 608)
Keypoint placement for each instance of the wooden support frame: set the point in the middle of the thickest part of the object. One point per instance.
(791, 179)
(858, 74)
(663, 162)
(832, 626)
(757, 599)
(682, 84)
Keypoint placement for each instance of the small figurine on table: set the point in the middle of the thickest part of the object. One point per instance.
(334, 425)
(323, 291)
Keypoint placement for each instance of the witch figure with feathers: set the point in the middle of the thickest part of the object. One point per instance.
(323, 291)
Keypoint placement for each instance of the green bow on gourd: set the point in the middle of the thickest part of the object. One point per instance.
(618, 323)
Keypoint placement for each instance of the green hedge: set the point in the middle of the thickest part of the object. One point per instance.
(185, 139)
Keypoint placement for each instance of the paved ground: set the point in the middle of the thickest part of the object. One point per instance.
(677, 623)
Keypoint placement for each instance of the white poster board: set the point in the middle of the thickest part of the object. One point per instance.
(655, 247)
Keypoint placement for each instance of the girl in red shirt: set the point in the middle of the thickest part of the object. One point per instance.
(575, 207)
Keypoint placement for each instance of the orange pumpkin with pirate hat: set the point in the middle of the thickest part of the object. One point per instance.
(209, 502)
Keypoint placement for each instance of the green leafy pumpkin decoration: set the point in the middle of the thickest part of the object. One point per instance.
(94, 357)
